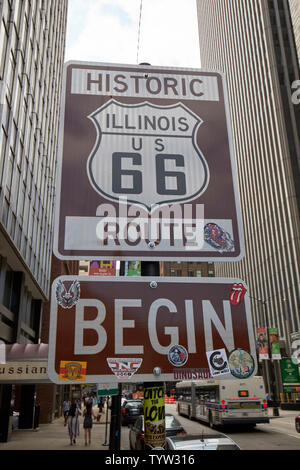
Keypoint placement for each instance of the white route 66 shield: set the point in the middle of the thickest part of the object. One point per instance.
(147, 153)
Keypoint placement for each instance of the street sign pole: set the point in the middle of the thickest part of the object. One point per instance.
(115, 421)
(106, 424)
(151, 268)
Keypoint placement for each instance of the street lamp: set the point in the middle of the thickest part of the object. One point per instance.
(287, 328)
(270, 373)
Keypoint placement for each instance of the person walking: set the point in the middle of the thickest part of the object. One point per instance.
(73, 422)
(66, 408)
(88, 422)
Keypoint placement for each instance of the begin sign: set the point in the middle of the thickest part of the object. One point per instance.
(147, 329)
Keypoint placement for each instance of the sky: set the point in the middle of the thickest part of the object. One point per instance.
(107, 31)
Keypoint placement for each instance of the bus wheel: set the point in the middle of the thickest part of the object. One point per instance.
(250, 426)
(178, 410)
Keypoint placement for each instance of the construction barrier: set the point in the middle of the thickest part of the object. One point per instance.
(169, 400)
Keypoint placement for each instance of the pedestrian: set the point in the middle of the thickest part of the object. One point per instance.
(73, 422)
(88, 422)
(100, 404)
(66, 407)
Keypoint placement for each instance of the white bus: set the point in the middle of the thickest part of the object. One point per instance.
(221, 402)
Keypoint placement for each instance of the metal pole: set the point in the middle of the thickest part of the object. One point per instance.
(272, 371)
(106, 423)
(287, 328)
(115, 421)
(150, 268)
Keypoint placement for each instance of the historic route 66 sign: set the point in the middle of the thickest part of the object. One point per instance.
(148, 153)
(146, 168)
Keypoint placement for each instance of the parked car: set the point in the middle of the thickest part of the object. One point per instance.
(124, 401)
(130, 410)
(297, 423)
(201, 442)
(137, 431)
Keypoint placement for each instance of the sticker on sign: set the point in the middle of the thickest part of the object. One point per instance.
(145, 147)
(125, 330)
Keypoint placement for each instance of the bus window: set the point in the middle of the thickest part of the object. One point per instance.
(212, 396)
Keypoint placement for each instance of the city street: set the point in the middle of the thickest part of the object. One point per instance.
(279, 434)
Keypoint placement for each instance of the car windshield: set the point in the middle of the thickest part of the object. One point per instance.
(134, 404)
(172, 422)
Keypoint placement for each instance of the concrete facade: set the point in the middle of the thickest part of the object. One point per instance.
(253, 42)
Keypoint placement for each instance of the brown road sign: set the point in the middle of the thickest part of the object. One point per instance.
(148, 329)
(146, 167)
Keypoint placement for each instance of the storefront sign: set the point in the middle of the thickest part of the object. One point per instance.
(104, 390)
(102, 268)
(132, 268)
(290, 376)
(33, 371)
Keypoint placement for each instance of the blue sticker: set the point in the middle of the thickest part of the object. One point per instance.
(177, 355)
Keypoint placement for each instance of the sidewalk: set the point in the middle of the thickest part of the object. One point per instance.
(289, 415)
(54, 436)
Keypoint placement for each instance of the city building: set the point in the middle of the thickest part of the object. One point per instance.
(51, 396)
(32, 43)
(256, 44)
(295, 16)
(187, 269)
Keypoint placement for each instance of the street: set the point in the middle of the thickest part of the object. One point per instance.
(279, 434)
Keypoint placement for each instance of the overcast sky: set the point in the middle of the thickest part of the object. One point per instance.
(107, 31)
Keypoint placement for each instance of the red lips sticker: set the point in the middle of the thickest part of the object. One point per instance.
(237, 293)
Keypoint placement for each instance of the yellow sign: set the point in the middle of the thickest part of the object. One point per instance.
(154, 416)
(71, 370)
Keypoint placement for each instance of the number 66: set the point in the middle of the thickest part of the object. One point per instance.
(137, 178)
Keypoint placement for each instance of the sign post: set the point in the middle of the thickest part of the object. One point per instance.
(151, 150)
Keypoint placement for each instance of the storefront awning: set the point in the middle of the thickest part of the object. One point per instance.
(26, 352)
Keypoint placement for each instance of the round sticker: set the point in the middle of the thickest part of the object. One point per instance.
(241, 363)
(177, 355)
(217, 361)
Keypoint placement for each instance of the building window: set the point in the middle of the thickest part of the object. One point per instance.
(12, 289)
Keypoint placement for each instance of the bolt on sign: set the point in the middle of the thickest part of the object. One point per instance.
(145, 329)
(150, 153)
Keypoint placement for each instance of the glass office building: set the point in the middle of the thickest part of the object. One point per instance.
(32, 46)
(32, 38)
